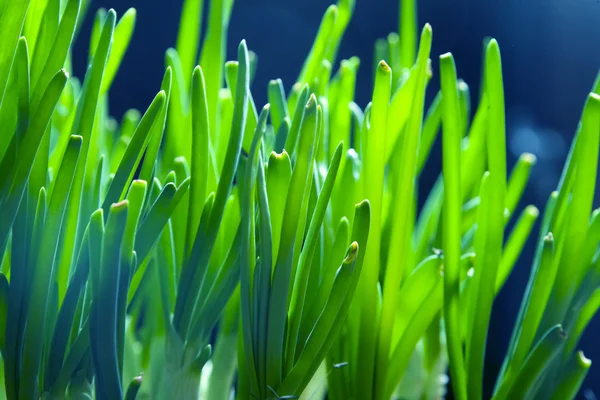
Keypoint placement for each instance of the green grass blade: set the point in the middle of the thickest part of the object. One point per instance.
(340, 118)
(157, 217)
(586, 314)
(309, 359)
(408, 32)
(431, 126)
(14, 187)
(279, 174)
(136, 198)
(19, 295)
(134, 152)
(318, 52)
(541, 356)
(43, 70)
(188, 37)
(300, 286)
(248, 266)
(518, 180)
(11, 24)
(515, 244)
(494, 239)
(452, 223)
(414, 331)
(571, 270)
(122, 37)
(103, 322)
(401, 231)
(80, 207)
(345, 11)
(279, 108)
(297, 119)
(192, 275)
(45, 271)
(150, 164)
(570, 383)
(200, 154)
(372, 176)
(264, 270)
(212, 56)
(532, 310)
(284, 265)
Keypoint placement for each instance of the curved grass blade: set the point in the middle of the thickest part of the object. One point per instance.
(300, 286)
(134, 152)
(57, 56)
(575, 373)
(192, 275)
(45, 271)
(122, 37)
(540, 357)
(288, 246)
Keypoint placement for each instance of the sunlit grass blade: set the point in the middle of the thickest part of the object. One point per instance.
(288, 249)
(515, 244)
(372, 176)
(122, 37)
(494, 239)
(200, 161)
(408, 32)
(452, 223)
(402, 225)
(11, 24)
(192, 275)
(532, 309)
(134, 153)
(79, 203)
(518, 180)
(44, 69)
(579, 209)
(188, 37)
(318, 52)
(570, 384)
(300, 287)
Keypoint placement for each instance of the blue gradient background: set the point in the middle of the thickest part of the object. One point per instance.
(550, 56)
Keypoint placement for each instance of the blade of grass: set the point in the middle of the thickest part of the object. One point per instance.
(452, 223)
(372, 176)
(494, 239)
(45, 271)
(401, 230)
(200, 154)
(571, 381)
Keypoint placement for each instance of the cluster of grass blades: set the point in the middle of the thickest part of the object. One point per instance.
(206, 249)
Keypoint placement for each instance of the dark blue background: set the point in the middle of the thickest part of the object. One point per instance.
(550, 57)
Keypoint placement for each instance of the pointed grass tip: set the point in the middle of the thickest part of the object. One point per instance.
(528, 158)
(384, 67)
(351, 253)
(532, 211)
(120, 205)
(583, 360)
